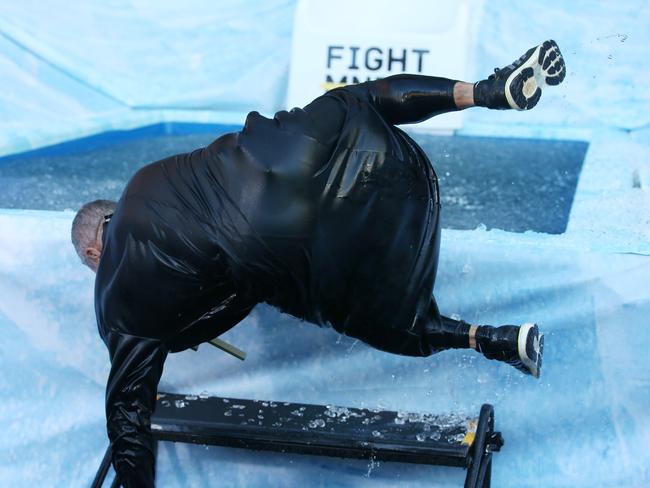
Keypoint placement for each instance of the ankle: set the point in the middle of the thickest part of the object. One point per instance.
(472, 336)
(463, 95)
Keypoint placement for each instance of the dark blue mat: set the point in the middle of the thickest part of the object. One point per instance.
(510, 184)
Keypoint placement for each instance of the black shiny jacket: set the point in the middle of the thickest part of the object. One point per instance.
(329, 213)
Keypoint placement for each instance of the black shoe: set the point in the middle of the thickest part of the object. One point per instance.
(519, 85)
(521, 347)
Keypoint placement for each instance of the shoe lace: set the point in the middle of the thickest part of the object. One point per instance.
(509, 67)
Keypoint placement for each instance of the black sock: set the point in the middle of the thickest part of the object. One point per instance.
(481, 93)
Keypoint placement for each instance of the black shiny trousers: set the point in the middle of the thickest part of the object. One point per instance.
(428, 335)
(409, 99)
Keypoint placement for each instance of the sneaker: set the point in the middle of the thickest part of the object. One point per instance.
(521, 347)
(530, 348)
(519, 85)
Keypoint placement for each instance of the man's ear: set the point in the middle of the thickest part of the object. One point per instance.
(93, 253)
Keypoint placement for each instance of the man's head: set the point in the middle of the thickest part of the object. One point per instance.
(87, 228)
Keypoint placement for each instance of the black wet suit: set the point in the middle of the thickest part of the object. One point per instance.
(329, 213)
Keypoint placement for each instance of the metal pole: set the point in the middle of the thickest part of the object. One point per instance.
(103, 469)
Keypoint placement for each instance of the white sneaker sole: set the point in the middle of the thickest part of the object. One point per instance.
(543, 66)
(533, 364)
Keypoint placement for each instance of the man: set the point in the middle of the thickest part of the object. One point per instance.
(330, 213)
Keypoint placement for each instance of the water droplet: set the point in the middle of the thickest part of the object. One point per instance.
(180, 403)
(165, 403)
(376, 433)
(316, 423)
(373, 463)
(420, 437)
(227, 413)
(342, 412)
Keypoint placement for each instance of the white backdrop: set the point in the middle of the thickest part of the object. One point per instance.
(340, 42)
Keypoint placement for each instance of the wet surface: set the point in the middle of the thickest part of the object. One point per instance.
(295, 418)
(510, 184)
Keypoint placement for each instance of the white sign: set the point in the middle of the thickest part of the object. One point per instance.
(342, 42)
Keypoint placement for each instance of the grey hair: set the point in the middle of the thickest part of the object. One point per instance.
(86, 223)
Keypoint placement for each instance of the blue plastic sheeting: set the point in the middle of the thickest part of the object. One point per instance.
(161, 54)
(69, 71)
(605, 46)
(585, 423)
